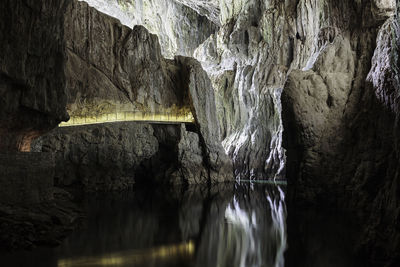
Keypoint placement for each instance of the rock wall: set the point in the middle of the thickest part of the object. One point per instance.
(336, 64)
(340, 118)
(247, 62)
(247, 92)
(202, 99)
(339, 103)
(32, 80)
(208, 8)
(119, 68)
(115, 156)
(98, 157)
(87, 63)
(112, 68)
(180, 29)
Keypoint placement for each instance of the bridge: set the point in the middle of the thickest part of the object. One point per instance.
(121, 116)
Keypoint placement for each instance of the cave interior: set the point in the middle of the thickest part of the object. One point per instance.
(229, 133)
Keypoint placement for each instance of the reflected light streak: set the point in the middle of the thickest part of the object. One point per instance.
(127, 258)
(241, 229)
(278, 214)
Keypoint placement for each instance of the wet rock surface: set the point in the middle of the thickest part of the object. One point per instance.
(340, 116)
(241, 60)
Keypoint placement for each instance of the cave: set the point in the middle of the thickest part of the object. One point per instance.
(229, 133)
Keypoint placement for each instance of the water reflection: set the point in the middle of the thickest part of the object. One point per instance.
(133, 257)
(229, 225)
(250, 229)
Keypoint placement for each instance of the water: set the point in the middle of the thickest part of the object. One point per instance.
(229, 225)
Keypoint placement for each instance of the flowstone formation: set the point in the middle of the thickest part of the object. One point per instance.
(248, 60)
(248, 75)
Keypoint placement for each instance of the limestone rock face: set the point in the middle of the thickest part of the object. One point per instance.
(208, 8)
(115, 156)
(384, 73)
(319, 98)
(122, 69)
(32, 80)
(248, 74)
(87, 63)
(339, 115)
(248, 60)
(202, 100)
(112, 68)
(190, 156)
(340, 118)
(99, 157)
(180, 29)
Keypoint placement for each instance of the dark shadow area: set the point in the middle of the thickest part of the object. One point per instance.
(225, 225)
(322, 238)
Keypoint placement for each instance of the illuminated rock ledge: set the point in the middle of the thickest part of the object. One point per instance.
(184, 117)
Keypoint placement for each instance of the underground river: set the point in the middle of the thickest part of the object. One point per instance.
(227, 225)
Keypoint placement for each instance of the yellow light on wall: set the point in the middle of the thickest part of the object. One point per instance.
(178, 117)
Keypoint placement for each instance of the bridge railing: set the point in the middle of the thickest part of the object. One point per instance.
(178, 117)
